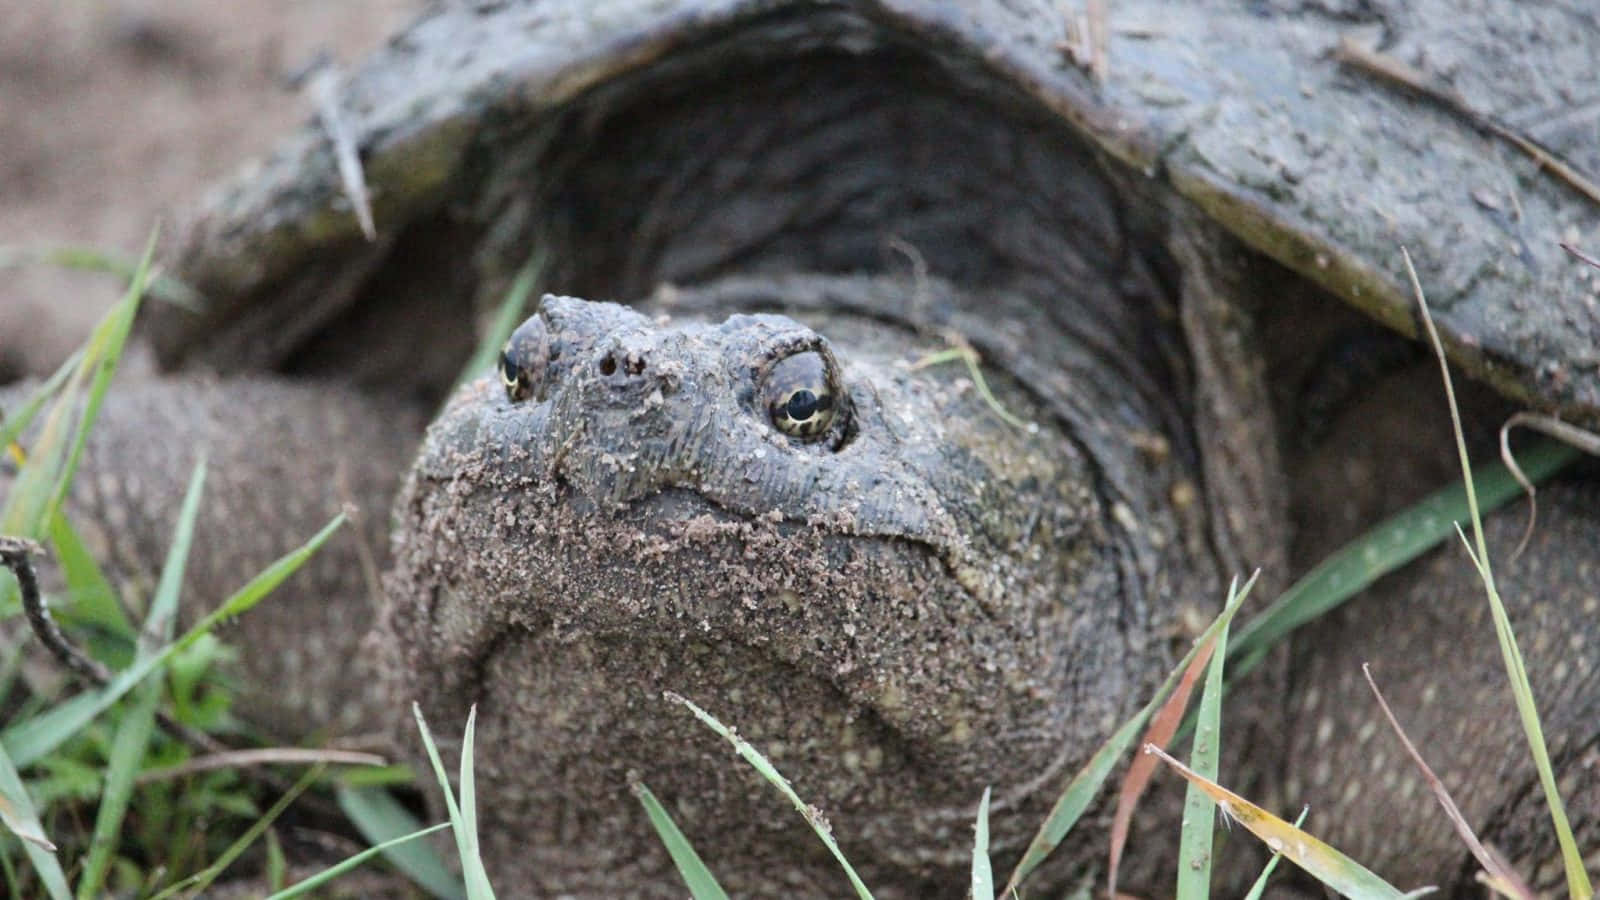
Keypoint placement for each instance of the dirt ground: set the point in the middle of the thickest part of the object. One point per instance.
(115, 114)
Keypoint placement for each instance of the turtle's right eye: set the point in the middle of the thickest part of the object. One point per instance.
(524, 359)
(516, 381)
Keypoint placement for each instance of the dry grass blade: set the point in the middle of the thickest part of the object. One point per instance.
(323, 86)
(1581, 255)
(1328, 865)
(1493, 865)
(239, 759)
(1162, 728)
(1569, 434)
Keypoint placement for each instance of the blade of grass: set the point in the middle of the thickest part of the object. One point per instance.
(1326, 864)
(1260, 884)
(106, 359)
(196, 884)
(513, 309)
(128, 749)
(93, 259)
(1083, 787)
(1199, 812)
(132, 741)
(1388, 546)
(327, 875)
(30, 740)
(477, 881)
(982, 871)
(93, 600)
(17, 420)
(472, 863)
(43, 481)
(1578, 885)
(701, 883)
(1162, 727)
(761, 764)
(18, 815)
(384, 823)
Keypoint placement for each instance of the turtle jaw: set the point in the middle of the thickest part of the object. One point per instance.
(835, 654)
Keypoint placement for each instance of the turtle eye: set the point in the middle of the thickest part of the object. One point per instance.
(523, 361)
(801, 397)
(512, 376)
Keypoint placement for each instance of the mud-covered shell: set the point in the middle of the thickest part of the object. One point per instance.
(1245, 109)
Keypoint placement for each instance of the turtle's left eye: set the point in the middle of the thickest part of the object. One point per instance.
(523, 361)
(800, 397)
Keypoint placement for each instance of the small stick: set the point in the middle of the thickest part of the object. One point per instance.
(1387, 68)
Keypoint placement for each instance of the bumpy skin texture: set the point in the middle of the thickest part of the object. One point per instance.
(932, 606)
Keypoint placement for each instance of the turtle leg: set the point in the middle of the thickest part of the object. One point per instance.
(1428, 635)
(282, 458)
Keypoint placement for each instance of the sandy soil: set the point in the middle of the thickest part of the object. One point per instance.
(114, 114)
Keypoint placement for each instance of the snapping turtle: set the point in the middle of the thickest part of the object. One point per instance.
(745, 490)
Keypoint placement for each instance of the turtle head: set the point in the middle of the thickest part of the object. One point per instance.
(794, 526)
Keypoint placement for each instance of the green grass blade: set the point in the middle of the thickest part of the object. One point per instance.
(513, 309)
(42, 482)
(1260, 885)
(30, 740)
(132, 740)
(383, 822)
(762, 765)
(93, 259)
(245, 598)
(466, 842)
(1083, 787)
(701, 883)
(196, 884)
(93, 599)
(128, 750)
(107, 354)
(472, 861)
(18, 815)
(982, 872)
(17, 420)
(1578, 884)
(327, 875)
(1388, 546)
(1199, 812)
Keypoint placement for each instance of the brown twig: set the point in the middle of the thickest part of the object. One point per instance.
(1386, 68)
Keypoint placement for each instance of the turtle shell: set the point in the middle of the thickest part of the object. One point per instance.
(1249, 111)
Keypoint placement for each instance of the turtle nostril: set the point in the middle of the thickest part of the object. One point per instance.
(608, 365)
(634, 365)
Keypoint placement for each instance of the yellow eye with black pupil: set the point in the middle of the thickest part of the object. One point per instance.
(515, 381)
(799, 399)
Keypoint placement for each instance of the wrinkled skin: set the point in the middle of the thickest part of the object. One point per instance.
(930, 600)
